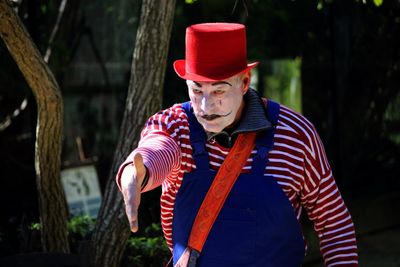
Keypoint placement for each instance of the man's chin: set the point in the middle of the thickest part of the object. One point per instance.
(212, 128)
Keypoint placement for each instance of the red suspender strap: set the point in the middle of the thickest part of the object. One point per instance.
(220, 188)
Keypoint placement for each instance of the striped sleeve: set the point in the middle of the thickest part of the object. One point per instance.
(159, 147)
(324, 204)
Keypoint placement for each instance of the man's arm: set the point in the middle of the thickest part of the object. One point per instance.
(327, 210)
(333, 224)
(161, 156)
(156, 158)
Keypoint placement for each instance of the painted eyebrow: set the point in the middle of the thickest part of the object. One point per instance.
(221, 82)
(213, 84)
(197, 84)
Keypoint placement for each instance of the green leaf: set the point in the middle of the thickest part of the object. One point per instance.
(81, 225)
(378, 2)
(35, 226)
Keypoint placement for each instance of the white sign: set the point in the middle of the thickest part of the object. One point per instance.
(82, 190)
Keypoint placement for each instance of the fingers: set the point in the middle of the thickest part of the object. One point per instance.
(132, 202)
(131, 180)
(131, 212)
(131, 194)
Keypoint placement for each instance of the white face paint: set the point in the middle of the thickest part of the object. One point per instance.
(218, 105)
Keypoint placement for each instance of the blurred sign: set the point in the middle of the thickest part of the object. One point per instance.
(82, 190)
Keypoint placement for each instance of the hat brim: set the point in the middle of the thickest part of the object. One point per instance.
(180, 69)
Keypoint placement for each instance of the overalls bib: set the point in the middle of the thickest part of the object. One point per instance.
(256, 226)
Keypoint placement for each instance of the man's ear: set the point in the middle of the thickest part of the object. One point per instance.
(246, 81)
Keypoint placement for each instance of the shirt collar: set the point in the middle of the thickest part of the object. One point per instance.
(253, 118)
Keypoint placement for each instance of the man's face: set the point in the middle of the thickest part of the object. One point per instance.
(218, 105)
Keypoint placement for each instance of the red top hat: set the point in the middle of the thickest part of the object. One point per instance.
(214, 51)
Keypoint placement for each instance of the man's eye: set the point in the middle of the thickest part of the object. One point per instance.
(218, 92)
(196, 91)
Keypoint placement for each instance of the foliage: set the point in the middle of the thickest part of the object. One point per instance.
(283, 82)
(320, 4)
(81, 225)
(149, 251)
(79, 229)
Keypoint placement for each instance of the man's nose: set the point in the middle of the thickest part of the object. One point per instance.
(207, 104)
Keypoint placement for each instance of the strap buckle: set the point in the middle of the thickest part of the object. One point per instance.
(194, 254)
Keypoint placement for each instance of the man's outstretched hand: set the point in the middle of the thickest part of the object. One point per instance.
(131, 180)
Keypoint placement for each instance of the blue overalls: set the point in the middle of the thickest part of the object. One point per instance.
(257, 225)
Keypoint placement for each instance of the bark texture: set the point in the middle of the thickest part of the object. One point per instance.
(144, 98)
(52, 205)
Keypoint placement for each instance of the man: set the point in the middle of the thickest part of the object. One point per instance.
(182, 148)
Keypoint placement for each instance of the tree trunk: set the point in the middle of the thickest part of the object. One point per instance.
(52, 205)
(144, 98)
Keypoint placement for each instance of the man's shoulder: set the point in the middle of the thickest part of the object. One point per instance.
(294, 120)
(175, 111)
(172, 120)
(295, 115)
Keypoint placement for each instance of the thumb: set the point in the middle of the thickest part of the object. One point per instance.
(139, 166)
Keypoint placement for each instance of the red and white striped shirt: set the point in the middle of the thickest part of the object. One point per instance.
(297, 161)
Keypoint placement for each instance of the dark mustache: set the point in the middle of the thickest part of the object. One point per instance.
(214, 116)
